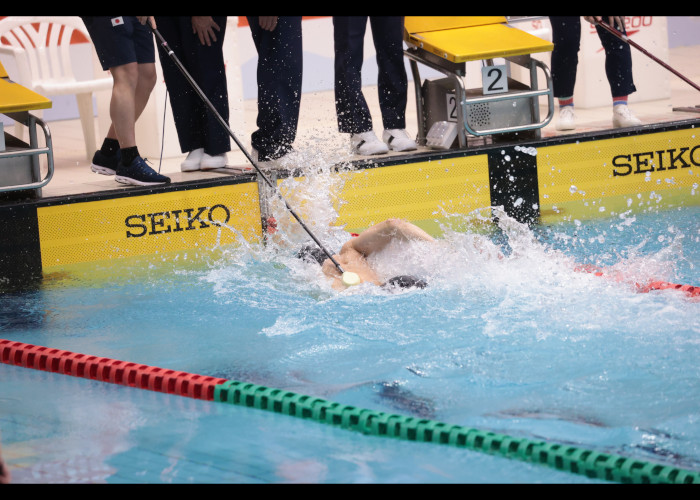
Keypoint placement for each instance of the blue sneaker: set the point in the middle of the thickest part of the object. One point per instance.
(139, 173)
(105, 165)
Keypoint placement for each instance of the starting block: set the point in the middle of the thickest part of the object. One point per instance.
(19, 161)
(503, 106)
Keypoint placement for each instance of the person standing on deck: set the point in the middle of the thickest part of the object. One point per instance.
(351, 107)
(124, 45)
(566, 35)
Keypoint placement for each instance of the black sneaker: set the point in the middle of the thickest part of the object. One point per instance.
(139, 174)
(105, 165)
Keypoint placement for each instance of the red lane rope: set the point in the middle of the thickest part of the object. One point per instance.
(109, 370)
(693, 291)
(690, 290)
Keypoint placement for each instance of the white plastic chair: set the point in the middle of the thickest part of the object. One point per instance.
(41, 47)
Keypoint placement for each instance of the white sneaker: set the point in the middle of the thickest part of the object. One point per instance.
(398, 140)
(567, 118)
(211, 162)
(623, 117)
(367, 143)
(194, 158)
(268, 165)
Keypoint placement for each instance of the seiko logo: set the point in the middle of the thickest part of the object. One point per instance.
(176, 220)
(656, 161)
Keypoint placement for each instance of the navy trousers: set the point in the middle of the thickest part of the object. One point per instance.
(351, 107)
(196, 125)
(279, 73)
(566, 35)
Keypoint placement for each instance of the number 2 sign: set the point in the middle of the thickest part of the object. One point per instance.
(494, 79)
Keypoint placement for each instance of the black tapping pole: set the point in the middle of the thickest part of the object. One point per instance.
(188, 77)
(626, 39)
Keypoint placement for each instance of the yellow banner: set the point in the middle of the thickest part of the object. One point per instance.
(421, 192)
(605, 178)
(148, 224)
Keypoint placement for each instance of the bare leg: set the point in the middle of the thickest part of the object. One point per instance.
(144, 87)
(133, 84)
(122, 107)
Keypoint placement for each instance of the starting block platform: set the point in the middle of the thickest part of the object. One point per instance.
(459, 39)
(19, 162)
(447, 111)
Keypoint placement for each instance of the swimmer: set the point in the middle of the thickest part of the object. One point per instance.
(353, 258)
(353, 254)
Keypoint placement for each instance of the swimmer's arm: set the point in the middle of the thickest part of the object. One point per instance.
(378, 236)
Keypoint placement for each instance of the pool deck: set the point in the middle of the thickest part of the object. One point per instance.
(82, 216)
(318, 133)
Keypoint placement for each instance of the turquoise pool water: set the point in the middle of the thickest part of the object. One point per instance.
(523, 345)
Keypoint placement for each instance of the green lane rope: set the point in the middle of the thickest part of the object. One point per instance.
(592, 464)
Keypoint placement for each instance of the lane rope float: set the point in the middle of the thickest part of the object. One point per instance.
(650, 286)
(590, 463)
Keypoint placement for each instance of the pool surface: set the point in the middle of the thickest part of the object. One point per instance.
(507, 338)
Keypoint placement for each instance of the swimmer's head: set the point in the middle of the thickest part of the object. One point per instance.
(406, 281)
(312, 253)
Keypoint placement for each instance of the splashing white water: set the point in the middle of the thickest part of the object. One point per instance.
(502, 259)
